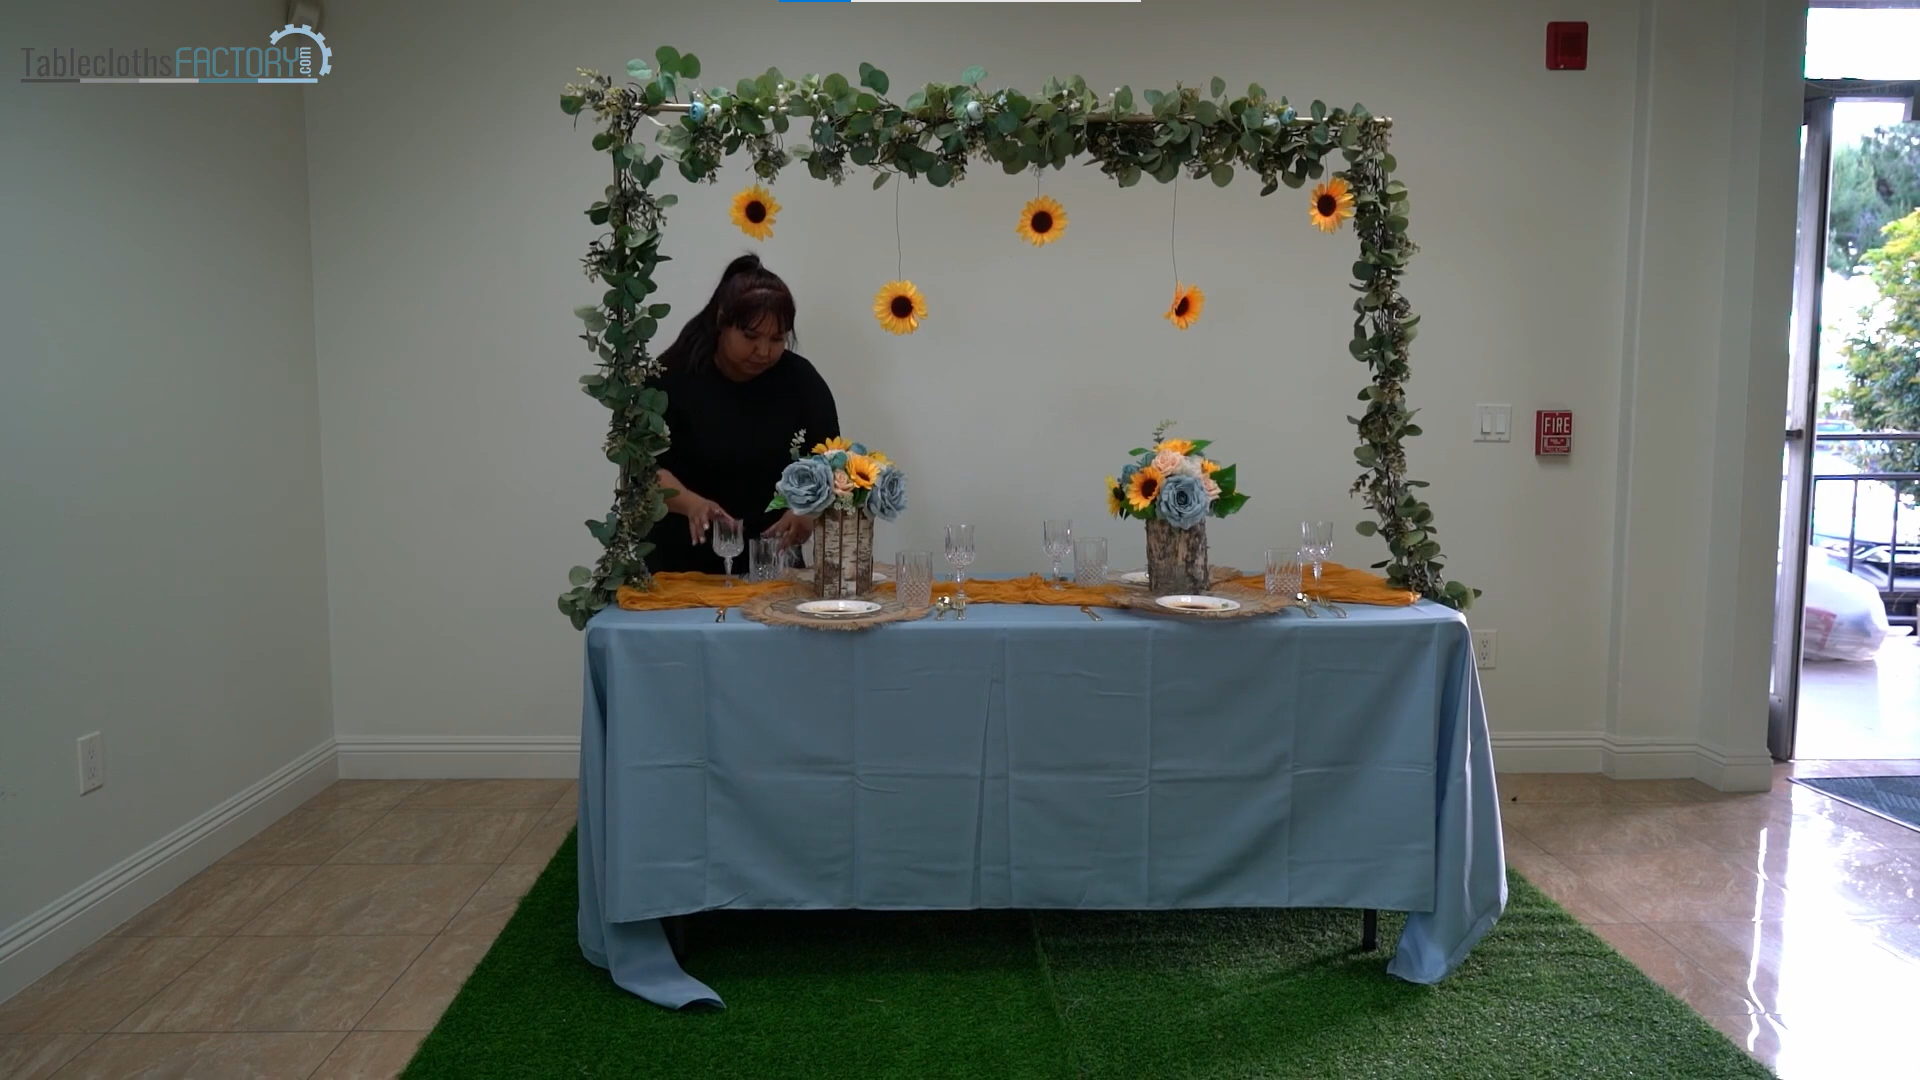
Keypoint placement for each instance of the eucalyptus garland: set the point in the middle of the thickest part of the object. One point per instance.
(938, 132)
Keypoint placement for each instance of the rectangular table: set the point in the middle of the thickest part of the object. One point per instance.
(1032, 758)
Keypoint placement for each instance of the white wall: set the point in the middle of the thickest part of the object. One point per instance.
(161, 574)
(460, 457)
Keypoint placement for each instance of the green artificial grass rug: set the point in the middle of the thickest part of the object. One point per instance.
(1204, 995)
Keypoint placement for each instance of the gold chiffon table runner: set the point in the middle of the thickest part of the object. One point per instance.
(1340, 584)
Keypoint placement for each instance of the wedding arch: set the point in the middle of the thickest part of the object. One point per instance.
(937, 133)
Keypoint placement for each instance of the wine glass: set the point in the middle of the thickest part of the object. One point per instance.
(728, 543)
(1316, 541)
(960, 555)
(1057, 536)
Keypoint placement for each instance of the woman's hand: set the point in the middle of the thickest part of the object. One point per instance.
(791, 530)
(701, 514)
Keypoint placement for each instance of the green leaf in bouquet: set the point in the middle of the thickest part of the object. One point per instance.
(779, 503)
(1366, 528)
(1228, 479)
(579, 575)
(1228, 504)
(1136, 452)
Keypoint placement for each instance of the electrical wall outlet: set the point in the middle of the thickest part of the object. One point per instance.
(93, 763)
(1484, 648)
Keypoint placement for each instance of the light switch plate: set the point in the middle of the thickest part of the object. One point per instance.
(1493, 423)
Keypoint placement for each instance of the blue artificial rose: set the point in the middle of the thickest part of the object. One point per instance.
(889, 495)
(807, 485)
(1183, 501)
(1126, 475)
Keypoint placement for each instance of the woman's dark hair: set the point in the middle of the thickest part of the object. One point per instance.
(747, 293)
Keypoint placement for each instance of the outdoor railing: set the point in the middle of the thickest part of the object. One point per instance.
(1892, 567)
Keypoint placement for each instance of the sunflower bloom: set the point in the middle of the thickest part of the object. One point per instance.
(1332, 204)
(1188, 300)
(879, 459)
(1144, 488)
(833, 444)
(1042, 221)
(1116, 499)
(754, 210)
(1182, 447)
(862, 470)
(1208, 466)
(898, 307)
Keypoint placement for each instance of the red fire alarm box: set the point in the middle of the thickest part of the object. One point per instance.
(1566, 46)
(1552, 433)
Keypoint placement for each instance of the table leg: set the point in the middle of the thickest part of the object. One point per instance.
(1369, 930)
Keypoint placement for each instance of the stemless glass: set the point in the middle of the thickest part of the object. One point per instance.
(1056, 536)
(1283, 573)
(1090, 561)
(913, 577)
(764, 559)
(728, 543)
(960, 555)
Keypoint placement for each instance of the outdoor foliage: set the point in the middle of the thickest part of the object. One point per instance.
(1875, 181)
(1883, 357)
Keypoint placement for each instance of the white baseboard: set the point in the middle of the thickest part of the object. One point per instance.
(1734, 772)
(1547, 751)
(459, 757)
(47, 938)
(472, 757)
(1626, 757)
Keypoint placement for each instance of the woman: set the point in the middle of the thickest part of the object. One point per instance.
(736, 396)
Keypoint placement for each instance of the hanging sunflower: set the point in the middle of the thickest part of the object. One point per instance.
(1116, 498)
(1188, 301)
(1042, 221)
(1332, 204)
(1143, 487)
(754, 211)
(899, 308)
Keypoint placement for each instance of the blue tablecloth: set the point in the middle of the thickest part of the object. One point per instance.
(1031, 758)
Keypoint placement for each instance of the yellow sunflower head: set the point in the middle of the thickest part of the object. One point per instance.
(879, 459)
(1042, 221)
(1178, 446)
(1116, 498)
(754, 210)
(862, 470)
(833, 444)
(1144, 487)
(1208, 466)
(1332, 204)
(1188, 300)
(899, 307)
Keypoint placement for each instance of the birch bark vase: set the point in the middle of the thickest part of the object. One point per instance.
(1177, 559)
(842, 555)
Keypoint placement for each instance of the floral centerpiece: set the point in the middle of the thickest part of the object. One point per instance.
(844, 486)
(1175, 487)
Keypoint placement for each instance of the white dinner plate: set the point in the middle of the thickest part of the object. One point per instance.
(837, 609)
(1134, 577)
(1198, 603)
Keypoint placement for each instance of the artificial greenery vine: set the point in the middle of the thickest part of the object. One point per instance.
(937, 132)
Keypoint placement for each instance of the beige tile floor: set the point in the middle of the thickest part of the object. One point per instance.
(326, 947)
